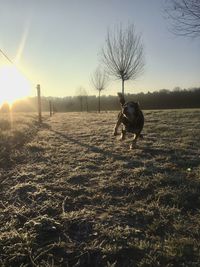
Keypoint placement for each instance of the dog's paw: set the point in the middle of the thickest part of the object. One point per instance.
(115, 133)
(141, 136)
(122, 137)
(133, 145)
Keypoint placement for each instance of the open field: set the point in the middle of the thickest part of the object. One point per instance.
(74, 195)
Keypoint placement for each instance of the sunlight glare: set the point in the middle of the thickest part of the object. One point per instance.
(13, 84)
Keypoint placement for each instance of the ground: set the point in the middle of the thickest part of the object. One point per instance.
(72, 194)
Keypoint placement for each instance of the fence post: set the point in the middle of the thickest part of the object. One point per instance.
(39, 104)
(53, 109)
(50, 108)
(86, 98)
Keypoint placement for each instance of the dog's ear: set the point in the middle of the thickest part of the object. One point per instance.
(121, 99)
(137, 106)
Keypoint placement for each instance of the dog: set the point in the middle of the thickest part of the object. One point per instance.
(132, 119)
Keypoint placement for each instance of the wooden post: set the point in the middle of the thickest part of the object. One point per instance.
(81, 99)
(86, 98)
(53, 109)
(50, 108)
(39, 104)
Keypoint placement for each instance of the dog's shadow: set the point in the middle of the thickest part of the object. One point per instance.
(92, 148)
(136, 158)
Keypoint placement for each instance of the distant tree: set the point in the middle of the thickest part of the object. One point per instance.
(177, 89)
(86, 101)
(164, 91)
(81, 93)
(184, 16)
(99, 81)
(123, 54)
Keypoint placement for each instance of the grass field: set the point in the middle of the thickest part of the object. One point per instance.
(74, 195)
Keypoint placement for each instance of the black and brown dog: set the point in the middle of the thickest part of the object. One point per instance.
(132, 119)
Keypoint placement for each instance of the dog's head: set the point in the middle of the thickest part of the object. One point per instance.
(130, 110)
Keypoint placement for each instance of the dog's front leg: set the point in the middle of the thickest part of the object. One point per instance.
(135, 137)
(123, 134)
(116, 127)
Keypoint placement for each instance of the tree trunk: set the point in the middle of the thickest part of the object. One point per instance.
(122, 87)
(99, 100)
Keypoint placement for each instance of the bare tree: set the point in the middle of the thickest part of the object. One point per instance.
(99, 81)
(184, 16)
(123, 54)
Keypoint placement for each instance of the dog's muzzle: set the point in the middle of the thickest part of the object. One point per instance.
(129, 113)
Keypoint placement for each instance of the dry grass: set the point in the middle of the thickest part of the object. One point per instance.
(16, 129)
(74, 195)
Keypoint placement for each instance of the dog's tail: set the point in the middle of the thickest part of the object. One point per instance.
(121, 98)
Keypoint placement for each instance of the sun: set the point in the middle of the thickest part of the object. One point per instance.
(13, 84)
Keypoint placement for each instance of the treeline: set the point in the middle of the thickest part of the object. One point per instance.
(163, 99)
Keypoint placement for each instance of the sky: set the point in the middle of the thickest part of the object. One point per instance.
(57, 44)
